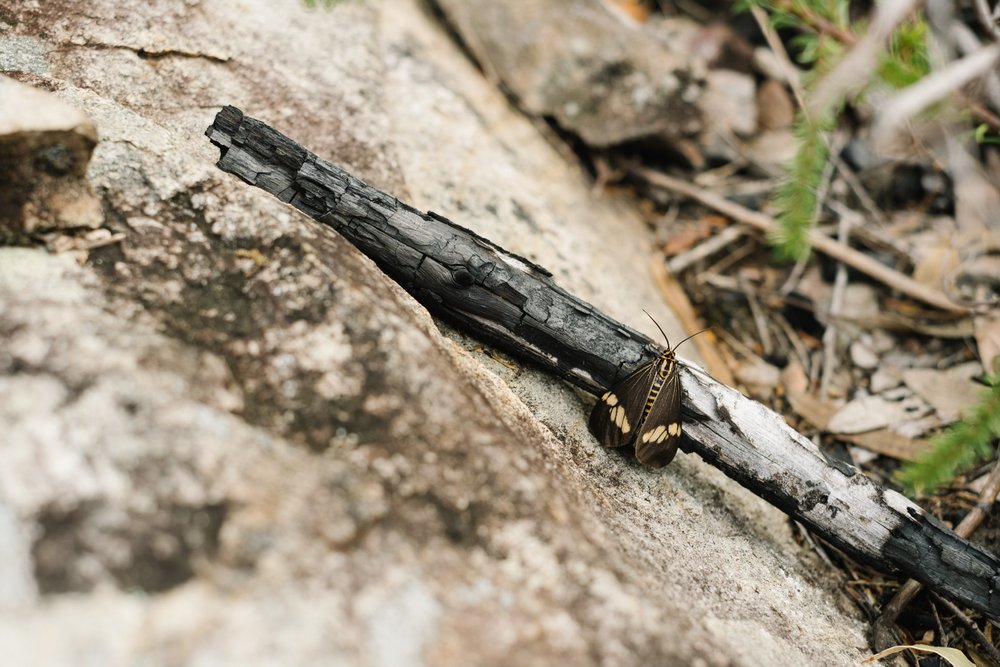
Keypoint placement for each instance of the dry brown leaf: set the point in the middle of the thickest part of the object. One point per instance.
(775, 110)
(870, 413)
(948, 391)
(692, 234)
(953, 656)
(891, 444)
(818, 412)
(859, 415)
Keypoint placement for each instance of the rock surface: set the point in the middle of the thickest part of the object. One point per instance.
(229, 439)
(598, 73)
(45, 146)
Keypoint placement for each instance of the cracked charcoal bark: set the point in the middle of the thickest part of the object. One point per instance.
(510, 302)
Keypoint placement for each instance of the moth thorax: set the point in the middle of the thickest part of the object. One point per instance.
(666, 366)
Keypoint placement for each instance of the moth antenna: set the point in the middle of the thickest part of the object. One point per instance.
(692, 336)
(665, 335)
(660, 328)
(695, 368)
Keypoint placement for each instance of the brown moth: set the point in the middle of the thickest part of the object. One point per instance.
(644, 409)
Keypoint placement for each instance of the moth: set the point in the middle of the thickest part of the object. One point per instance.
(644, 409)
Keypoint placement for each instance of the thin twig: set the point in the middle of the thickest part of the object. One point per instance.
(778, 48)
(986, 19)
(987, 497)
(816, 546)
(794, 276)
(855, 68)
(983, 641)
(836, 303)
(758, 318)
(983, 114)
(861, 193)
(713, 244)
(966, 42)
(720, 282)
(738, 345)
(834, 146)
(726, 171)
(797, 345)
(817, 22)
(733, 257)
(828, 246)
(815, 363)
(938, 625)
(932, 88)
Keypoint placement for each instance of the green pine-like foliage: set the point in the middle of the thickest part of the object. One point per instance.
(824, 33)
(958, 448)
(797, 197)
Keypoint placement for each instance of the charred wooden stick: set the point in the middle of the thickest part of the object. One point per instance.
(514, 304)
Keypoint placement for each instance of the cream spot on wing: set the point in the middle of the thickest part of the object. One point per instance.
(617, 414)
(610, 399)
(655, 435)
(674, 429)
(605, 397)
(625, 425)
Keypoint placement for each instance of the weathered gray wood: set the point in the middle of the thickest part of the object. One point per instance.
(514, 304)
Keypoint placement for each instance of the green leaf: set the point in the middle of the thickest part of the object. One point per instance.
(907, 60)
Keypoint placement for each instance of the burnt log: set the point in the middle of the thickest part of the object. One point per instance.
(514, 304)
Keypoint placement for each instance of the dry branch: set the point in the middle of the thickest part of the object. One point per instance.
(823, 244)
(514, 304)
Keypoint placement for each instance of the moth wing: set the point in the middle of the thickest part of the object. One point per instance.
(658, 437)
(615, 417)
